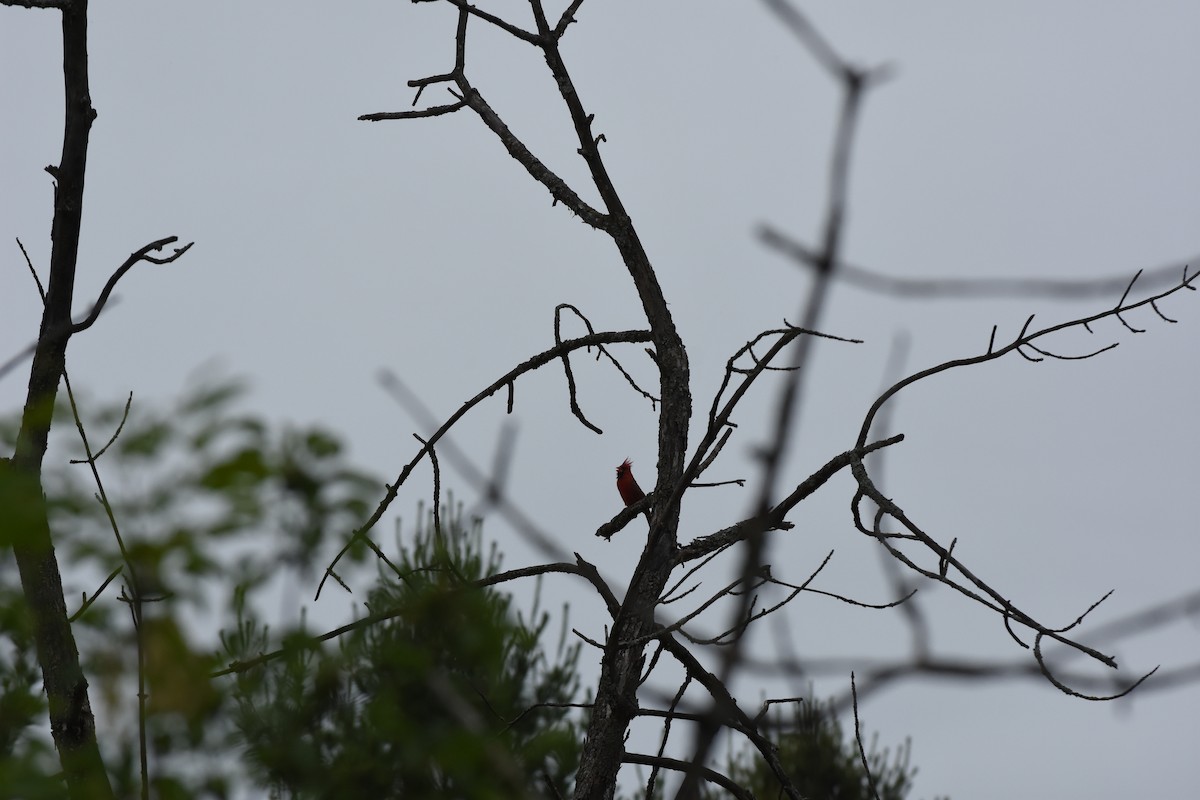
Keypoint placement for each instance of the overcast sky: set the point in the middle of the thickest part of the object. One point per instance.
(1017, 139)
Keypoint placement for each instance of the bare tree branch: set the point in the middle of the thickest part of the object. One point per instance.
(812, 39)
(666, 733)
(853, 82)
(981, 592)
(600, 351)
(539, 360)
(774, 519)
(60, 4)
(725, 707)
(580, 568)
(139, 255)
(513, 30)
(557, 187)
(862, 753)
(432, 111)
(905, 288)
(568, 16)
(470, 97)
(1023, 339)
(710, 775)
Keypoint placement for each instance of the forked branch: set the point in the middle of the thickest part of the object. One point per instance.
(1025, 339)
(950, 570)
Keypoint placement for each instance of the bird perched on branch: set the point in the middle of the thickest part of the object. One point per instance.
(626, 485)
(631, 493)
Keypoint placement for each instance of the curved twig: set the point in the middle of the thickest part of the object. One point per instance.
(539, 360)
(1037, 653)
(138, 255)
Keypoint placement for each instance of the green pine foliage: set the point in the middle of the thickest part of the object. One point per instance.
(821, 760)
(449, 694)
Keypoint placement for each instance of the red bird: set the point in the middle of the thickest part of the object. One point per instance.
(626, 485)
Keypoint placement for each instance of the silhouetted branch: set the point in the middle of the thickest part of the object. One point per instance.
(491, 489)
(981, 592)
(666, 733)
(719, 415)
(1037, 654)
(726, 711)
(906, 288)
(539, 360)
(568, 16)
(676, 765)
(513, 30)
(469, 96)
(1023, 339)
(139, 255)
(37, 3)
(581, 568)
(432, 111)
(853, 82)
(98, 306)
(876, 675)
(774, 519)
(600, 351)
(862, 752)
(812, 39)
(625, 516)
(1138, 622)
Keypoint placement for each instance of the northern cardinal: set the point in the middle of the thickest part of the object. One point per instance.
(626, 485)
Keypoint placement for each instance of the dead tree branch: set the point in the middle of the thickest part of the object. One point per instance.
(949, 567)
(621, 667)
(905, 288)
(625, 667)
(506, 380)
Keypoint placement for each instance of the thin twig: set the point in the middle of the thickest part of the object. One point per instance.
(862, 753)
(142, 254)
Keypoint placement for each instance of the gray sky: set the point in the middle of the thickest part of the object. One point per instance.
(1020, 139)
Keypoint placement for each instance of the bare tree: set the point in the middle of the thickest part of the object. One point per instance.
(640, 620)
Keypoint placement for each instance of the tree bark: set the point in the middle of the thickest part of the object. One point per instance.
(27, 527)
(622, 664)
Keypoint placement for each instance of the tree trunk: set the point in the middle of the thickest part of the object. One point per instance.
(26, 525)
